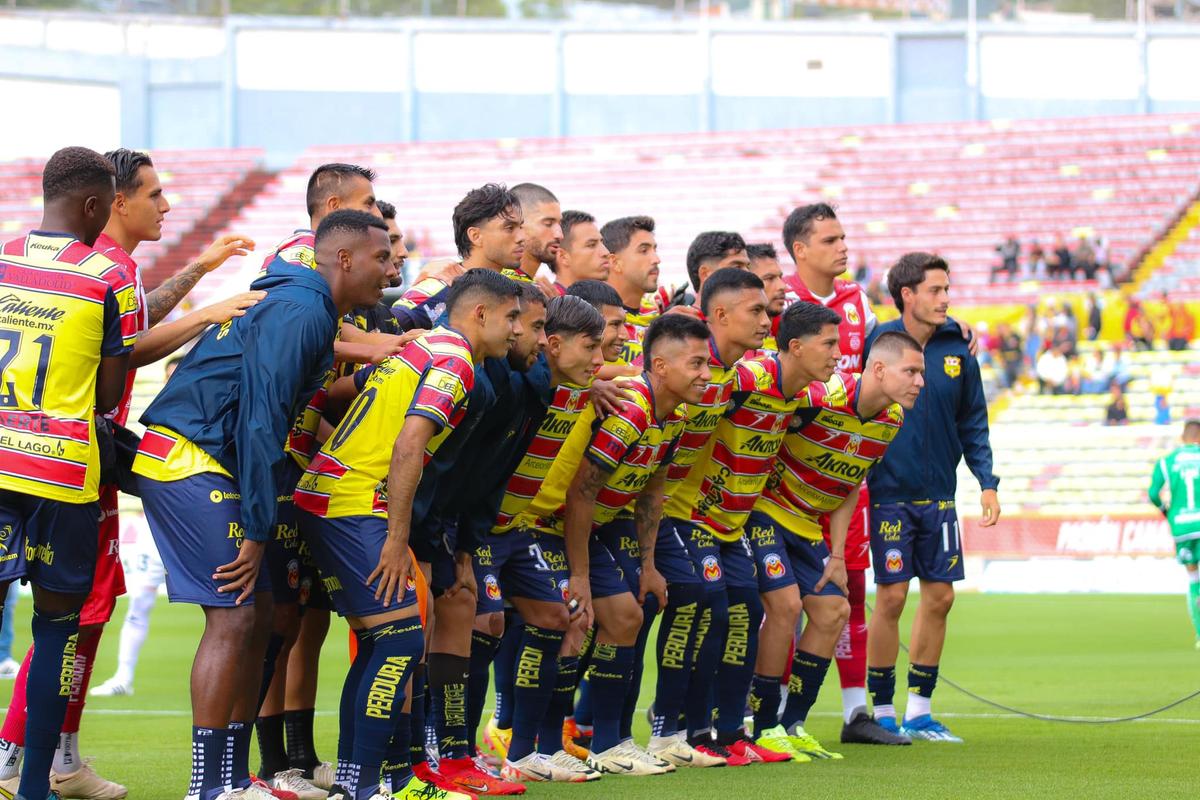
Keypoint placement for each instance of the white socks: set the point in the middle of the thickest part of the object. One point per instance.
(917, 707)
(854, 700)
(10, 760)
(67, 760)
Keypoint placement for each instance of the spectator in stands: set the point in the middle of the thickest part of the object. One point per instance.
(1083, 261)
(1058, 263)
(1009, 354)
(1095, 317)
(1064, 331)
(1181, 326)
(1117, 412)
(1052, 370)
(1035, 267)
(1097, 373)
(1139, 330)
(1033, 334)
(1010, 252)
(1119, 365)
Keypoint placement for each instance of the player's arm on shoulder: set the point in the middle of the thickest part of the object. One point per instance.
(171, 291)
(647, 514)
(114, 357)
(162, 340)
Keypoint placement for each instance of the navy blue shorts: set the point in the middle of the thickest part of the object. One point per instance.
(614, 559)
(720, 564)
(347, 550)
(785, 559)
(671, 556)
(312, 592)
(283, 559)
(438, 552)
(51, 544)
(520, 563)
(196, 523)
(916, 539)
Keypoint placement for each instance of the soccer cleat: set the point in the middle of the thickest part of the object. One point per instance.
(417, 789)
(261, 790)
(674, 749)
(888, 724)
(539, 768)
(322, 775)
(624, 760)
(429, 775)
(714, 750)
(777, 741)
(754, 754)
(9, 786)
(110, 688)
(497, 738)
(293, 780)
(865, 730)
(928, 729)
(85, 784)
(9, 669)
(806, 743)
(569, 742)
(638, 751)
(464, 773)
(569, 762)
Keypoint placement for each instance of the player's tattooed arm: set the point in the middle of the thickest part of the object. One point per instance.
(404, 473)
(577, 528)
(171, 291)
(647, 513)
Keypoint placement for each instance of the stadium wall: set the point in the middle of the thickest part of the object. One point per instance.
(165, 82)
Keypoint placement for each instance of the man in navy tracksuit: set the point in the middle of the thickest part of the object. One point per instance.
(209, 469)
(914, 526)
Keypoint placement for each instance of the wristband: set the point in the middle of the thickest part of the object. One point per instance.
(843, 558)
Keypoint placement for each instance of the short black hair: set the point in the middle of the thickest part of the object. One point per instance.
(617, 233)
(799, 223)
(75, 169)
(327, 180)
(711, 246)
(126, 163)
(910, 271)
(724, 280)
(348, 220)
(477, 207)
(672, 328)
(762, 250)
(597, 293)
(1191, 427)
(530, 293)
(894, 343)
(572, 218)
(486, 282)
(531, 194)
(803, 319)
(386, 209)
(569, 315)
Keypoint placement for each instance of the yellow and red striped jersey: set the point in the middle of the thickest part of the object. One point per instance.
(743, 449)
(636, 322)
(629, 446)
(516, 275)
(108, 247)
(165, 456)
(826, 454)
(701, 421)
(302, 443)
(432, 378)
(565, 409)
(57, 320)
(299, 249)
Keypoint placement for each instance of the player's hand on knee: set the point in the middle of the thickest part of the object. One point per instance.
(652, 582)
(835, 573)
(393, 572)
(464, 576)
(242, 573)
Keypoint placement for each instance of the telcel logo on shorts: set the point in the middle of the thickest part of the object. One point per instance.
(216, 495)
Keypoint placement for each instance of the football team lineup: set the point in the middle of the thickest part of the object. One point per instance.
(582, 502)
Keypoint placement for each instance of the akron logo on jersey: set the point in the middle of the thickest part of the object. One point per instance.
(491, 587)
(893, 561)
(952, 365)
(712, 569)
(852, 314)
(773, 566)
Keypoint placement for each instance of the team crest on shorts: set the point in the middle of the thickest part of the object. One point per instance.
(952, 365)
(305, 591)
(893, 561)
(566, 593)
(491, 587)
(412, 585)
(293, 570)
(712, 569)
(773, 565)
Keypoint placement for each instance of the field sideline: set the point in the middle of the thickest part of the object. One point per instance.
(1076, 655)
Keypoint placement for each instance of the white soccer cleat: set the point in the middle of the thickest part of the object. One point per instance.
(9, 669)
(674, 749)
(85, 784)
(636, 750)
(258, 790)
(569, 762)
(323, 776)
(539, 768)
(293, 780)
(624, 760)
(112, 688)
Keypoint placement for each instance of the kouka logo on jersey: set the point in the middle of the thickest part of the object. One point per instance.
(11, 304)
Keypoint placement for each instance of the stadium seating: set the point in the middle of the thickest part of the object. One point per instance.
(956, 188)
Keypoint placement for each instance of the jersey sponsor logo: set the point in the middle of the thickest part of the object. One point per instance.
(12, 304)
(895, 414)
(773, 566)
(832, 465)
(711, 569)
(216, 495)
(491, 587)
(952, 366)
(893, 561)
(851, 314)
(850, 362)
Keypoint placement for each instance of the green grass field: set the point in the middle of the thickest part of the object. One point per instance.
(1087, 656)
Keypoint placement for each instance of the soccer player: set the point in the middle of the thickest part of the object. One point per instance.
(489, 230)
(633, 272)
(582, 256)
(720, 492)
(1179, 473)
(542, 226)
(764, 262)
(222, 451)
(396, 237)
(841, 430)
(66, 358)
(709, 252)
(604, 298)
(735, 309)
(357, 499)
(914, 525)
